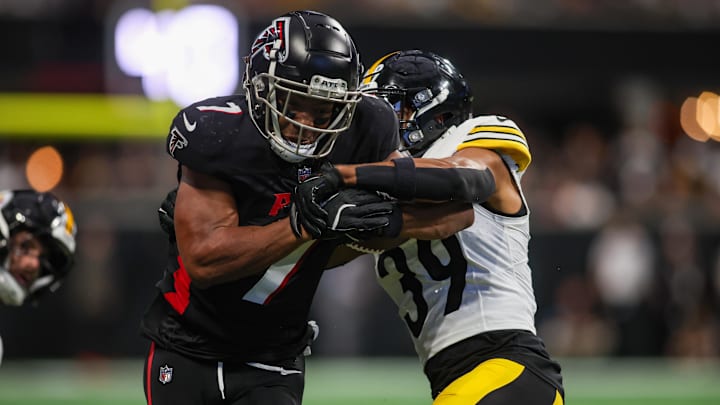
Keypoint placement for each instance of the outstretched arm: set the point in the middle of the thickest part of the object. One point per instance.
(214, 249)
(471, 175)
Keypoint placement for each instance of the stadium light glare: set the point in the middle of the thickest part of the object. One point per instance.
(182, 55)
(688, 120)
(708, 114)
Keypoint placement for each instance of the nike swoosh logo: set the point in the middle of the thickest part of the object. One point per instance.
(190, 127)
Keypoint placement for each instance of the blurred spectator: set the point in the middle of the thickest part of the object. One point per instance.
(697, 337)
(578, 327)
(689, 302)
(621, 260)
(583, 199)
(12, 165)
(95, 299)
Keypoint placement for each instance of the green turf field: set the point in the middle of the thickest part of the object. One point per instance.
(368, 381)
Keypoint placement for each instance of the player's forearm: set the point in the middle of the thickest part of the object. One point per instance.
(232, 253)
(424, 179)
(435, 221)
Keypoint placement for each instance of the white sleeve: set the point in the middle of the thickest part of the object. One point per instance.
(11, 293)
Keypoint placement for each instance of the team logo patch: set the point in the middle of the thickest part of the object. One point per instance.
(303, 173)
(265, 41)
(177, 141)
(165, 374)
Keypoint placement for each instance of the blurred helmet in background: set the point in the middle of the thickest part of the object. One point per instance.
(52, 222)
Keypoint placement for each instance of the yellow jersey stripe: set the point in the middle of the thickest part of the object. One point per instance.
(497, 128)
(515, 148)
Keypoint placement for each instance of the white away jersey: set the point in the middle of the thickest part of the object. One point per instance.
(477, 280)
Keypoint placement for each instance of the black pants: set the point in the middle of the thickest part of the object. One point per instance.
(174, 379)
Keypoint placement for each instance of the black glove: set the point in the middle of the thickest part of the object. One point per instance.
(350, 210)
(392, 230)
(166, 214)
(311, 194)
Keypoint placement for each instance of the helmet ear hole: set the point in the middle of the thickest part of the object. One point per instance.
(444, 117)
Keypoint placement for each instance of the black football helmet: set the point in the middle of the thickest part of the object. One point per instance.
(302, 54)
(52, 222)
(429, 86)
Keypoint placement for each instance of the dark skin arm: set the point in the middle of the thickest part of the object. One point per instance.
(213, 248)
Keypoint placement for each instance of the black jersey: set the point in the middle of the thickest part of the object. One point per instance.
(262, 317)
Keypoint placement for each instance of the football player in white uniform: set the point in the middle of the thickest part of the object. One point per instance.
(37, 245)
(467, 299)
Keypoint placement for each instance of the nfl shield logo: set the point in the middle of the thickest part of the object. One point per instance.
(165, 374)
(304, 173)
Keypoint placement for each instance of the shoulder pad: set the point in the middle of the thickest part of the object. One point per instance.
(373, 134)
(200, 134)
(497, 133)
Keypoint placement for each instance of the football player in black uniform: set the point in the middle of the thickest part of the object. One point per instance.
(229, 324)
(37, 245)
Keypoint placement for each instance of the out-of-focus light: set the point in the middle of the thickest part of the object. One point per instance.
(688, 120)
(44, 169)
(184, 55)
(700, 117)
(136, 35)
(708, 114)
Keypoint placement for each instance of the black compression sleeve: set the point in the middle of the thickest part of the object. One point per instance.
(406, 182)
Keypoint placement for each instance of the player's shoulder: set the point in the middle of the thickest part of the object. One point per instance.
(204, 117)
(373, 133)
(375, 110)
(487, 124)
(206, 130)
(498, 133)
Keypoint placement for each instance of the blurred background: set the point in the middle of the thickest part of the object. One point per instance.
(618, 101)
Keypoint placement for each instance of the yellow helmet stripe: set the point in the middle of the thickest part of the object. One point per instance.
(370, 72)
(70, 223)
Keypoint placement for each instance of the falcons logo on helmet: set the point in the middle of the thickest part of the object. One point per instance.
(177, 141)
(266, 40)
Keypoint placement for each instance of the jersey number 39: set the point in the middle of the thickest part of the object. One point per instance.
(454, 270)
